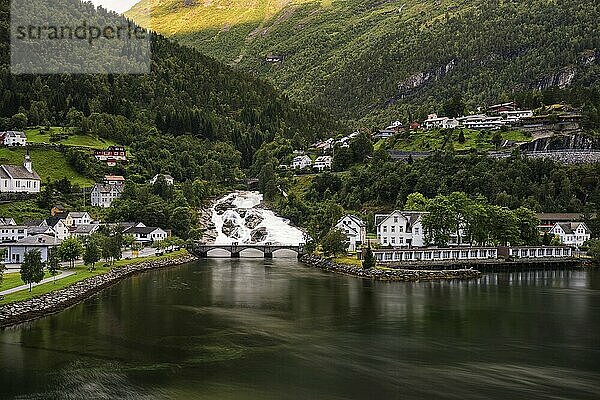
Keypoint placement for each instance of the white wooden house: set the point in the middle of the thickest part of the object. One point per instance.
(323, 163)
(102, 195)
(571, 233)
(146, 234)
(58, 224)
(77, 218)
(12, 233)
(14, 138)
(400, 229)
(301, 162)
(355, 229)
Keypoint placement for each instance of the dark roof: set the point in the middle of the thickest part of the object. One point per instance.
(560, 216)
(107, 188)
(140, 230)
(36, 230)
(570, 227)
(20, 172)
(87, 228)
(52, 221)
(34, 222)
(38, 240)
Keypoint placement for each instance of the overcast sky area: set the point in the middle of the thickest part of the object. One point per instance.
(115, 5)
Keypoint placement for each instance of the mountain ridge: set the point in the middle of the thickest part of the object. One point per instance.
(357, 57)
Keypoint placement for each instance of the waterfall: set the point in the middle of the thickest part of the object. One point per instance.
(239, 217)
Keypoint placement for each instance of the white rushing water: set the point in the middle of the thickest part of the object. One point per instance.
(238, 218)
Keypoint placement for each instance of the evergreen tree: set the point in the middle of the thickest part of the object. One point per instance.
(369, 259)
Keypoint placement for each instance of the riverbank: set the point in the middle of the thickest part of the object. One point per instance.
(58, 300)
(393, 275)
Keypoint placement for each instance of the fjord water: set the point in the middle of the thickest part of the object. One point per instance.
(254, 329)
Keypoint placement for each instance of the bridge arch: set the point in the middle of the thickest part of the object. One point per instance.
(235, 250)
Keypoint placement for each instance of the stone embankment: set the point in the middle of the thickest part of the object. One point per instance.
(15, 313)
(398, 275)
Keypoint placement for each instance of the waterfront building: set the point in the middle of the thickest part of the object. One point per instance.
(571, 233)
(355, 230)
(400, 229)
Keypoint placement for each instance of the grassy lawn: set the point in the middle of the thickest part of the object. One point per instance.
(81, 273)
(13, 279)
(49, 164)
(348, 260)
(23, 210)
(36, 135)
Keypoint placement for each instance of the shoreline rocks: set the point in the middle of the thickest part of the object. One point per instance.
(395, 275)
(59, 300)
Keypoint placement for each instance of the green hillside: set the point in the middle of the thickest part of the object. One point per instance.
(49, 164)
(398, 59)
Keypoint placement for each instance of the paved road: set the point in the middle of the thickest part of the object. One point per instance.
(63, 274)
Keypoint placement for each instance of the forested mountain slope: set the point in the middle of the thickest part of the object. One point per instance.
(189, 110)
(402, 59)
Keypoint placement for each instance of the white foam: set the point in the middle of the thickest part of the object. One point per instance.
(278, 229)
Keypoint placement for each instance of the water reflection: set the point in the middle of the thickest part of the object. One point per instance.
(270, 329)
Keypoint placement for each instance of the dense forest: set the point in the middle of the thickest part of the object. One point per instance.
(191, 117)
(381, 61)
(188, 101)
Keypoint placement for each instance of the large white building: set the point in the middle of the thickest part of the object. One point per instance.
(14, 138)
(355, 229)
(400, 229)
(102, 195)
(12, 233)
(435, 122)
(513, 116)
(481, 121)
(16, 251)
(19, 179)
(323, 162)
(571, 233)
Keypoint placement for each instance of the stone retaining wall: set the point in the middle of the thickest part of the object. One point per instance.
(398, 275)
(15, 313)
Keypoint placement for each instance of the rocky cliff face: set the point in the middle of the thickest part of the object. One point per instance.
(418, 81)
(563, 142)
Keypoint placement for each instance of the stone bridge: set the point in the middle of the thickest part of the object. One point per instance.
(201, 250)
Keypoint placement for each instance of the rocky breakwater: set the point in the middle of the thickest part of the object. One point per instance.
(15, 313)
(395, 275)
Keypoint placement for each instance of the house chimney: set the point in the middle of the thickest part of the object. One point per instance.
(27, 162)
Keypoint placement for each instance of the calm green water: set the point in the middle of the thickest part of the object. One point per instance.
(254, 329)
